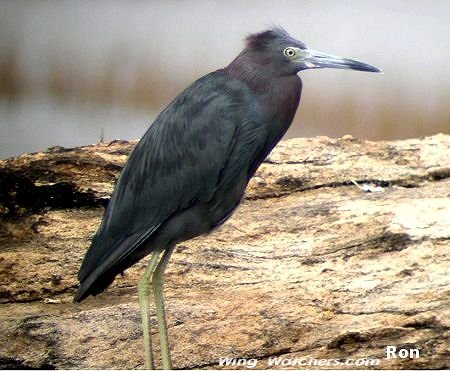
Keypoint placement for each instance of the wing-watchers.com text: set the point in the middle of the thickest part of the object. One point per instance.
(298, 362)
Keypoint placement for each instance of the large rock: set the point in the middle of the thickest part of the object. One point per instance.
(340, 249)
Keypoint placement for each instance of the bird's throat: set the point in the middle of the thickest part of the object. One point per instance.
(278, 96)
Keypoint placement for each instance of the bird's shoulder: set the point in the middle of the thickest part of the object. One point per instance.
(203, 141)
(180, 158)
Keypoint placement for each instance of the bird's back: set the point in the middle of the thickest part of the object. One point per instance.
(185, 176)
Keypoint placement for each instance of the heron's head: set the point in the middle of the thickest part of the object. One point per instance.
(284, 55)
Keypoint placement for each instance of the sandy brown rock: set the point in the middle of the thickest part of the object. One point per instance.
(309, 267)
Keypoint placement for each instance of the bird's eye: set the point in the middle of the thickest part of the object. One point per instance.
(289, 52)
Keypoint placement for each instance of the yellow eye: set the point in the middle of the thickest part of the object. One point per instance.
(289, 52)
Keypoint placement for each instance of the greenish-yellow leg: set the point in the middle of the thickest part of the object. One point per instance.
(157, 284)
(153, 279)
(144, 294)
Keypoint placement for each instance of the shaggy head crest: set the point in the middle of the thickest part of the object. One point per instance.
(260, 41)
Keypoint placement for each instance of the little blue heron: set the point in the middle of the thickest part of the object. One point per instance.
(189, 171)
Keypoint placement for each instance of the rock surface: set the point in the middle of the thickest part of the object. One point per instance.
(340, 249)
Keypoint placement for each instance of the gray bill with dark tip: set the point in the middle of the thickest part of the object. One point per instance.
(322, 60)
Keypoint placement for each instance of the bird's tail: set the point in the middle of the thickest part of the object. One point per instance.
(93, 285)
(105, 260)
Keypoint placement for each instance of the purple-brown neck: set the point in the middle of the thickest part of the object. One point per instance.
(278, 95)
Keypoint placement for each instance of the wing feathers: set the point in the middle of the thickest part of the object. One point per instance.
(183, 157)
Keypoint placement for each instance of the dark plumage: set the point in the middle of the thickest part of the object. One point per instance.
(189, 171)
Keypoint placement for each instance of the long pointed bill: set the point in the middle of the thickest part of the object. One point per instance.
(317, 59)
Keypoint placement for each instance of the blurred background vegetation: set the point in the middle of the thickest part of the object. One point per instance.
(76, 72)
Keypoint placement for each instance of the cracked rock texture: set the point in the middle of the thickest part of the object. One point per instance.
(310, 266)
